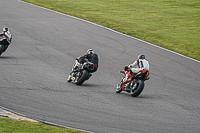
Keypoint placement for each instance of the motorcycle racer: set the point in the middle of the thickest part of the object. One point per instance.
(141, 64)
(91, 57)
(6, 33)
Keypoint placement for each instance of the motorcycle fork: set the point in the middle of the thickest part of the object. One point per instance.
(122, 82)
(78, 75)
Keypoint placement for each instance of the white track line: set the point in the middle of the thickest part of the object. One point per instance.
(113, 31)
(45, 122)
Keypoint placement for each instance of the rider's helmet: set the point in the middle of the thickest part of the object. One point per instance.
(141, 56)
(5, 29)
(90, 51)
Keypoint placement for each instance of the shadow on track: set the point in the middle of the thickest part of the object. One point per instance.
(88, 85)
(142, 96)
(7, 57)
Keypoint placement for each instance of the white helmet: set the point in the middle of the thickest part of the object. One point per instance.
(5, 29)
(90, 51)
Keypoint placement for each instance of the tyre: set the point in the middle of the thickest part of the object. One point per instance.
(1, 49)
(138, 89)
(69, 79)
(83, 77)
(119, 87)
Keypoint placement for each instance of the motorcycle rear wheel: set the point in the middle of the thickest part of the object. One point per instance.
(139, 88)
(1, 49)
(83, 77)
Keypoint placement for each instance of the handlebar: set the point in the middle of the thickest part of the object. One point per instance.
(121, 71)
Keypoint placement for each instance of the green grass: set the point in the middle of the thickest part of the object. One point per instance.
(15, 126)
(172, 24)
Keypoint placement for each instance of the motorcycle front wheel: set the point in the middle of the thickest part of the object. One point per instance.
(136, 91)
(119, 87)
(82, 78)
(69, 78)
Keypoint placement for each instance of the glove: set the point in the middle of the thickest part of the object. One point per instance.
(126, 67)
(121, 71)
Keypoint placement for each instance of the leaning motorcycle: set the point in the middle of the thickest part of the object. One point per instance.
(5, 42)
(136, 85)
(80, 72)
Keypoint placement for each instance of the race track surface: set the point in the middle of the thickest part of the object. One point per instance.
(34, 70)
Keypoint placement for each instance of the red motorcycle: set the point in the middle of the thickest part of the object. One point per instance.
(136, 85)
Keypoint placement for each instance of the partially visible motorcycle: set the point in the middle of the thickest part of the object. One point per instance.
(136, 85)
(5, 41)
(80, 72)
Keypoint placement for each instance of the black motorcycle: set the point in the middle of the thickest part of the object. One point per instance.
(80, 72)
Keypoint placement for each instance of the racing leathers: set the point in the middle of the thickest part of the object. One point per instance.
(8, 36)
(135, 67)
(138, 65)
(93, 58)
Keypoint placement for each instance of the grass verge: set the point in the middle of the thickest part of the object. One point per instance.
(15, 126)
(172, 24)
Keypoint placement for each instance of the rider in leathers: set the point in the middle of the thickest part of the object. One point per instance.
(6, 33)
(140, 64)
(91, 57)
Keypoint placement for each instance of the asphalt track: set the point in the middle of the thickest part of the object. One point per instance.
(34, 69)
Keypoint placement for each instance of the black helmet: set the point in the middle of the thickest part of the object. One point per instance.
(141, 56)
(90, 51)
